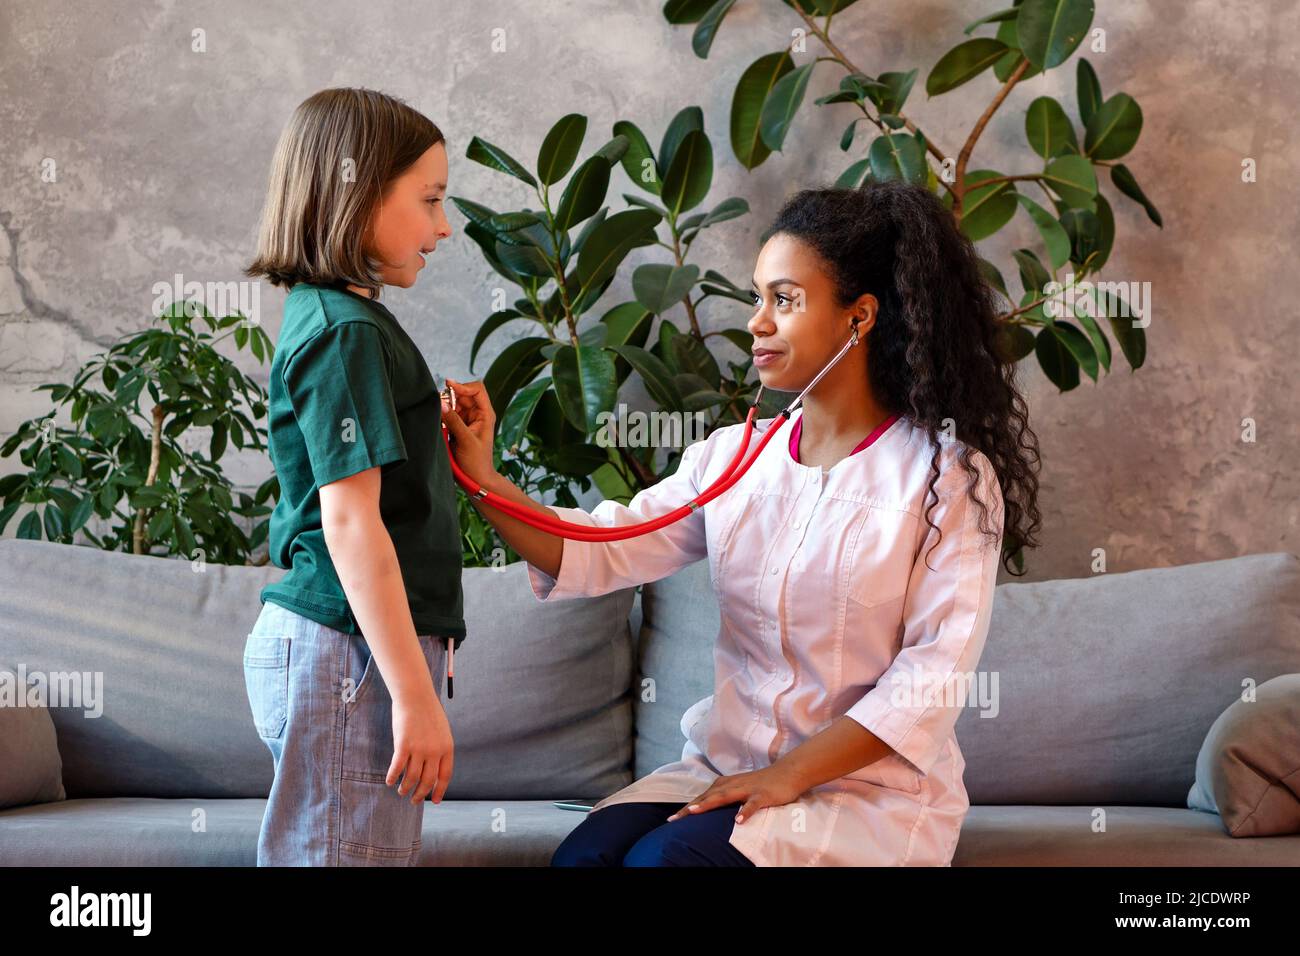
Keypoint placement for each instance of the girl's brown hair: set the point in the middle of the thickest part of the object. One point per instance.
(335, 159)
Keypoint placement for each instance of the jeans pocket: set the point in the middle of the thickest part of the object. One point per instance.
(266, 677)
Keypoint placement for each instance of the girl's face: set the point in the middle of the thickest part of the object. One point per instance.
(798, 322)
(410, 219)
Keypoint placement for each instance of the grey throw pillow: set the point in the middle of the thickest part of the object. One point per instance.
(1248, 769)
(29, 749)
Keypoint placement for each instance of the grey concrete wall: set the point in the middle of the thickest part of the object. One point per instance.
(161, 155)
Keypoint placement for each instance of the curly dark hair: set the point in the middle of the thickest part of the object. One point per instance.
(934, 349)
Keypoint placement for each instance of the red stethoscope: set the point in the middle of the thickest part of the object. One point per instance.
(579, 532)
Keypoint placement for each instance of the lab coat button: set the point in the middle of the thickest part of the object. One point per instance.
(797, 523)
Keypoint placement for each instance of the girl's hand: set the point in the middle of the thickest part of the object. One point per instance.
(770, 787)
(472, 428)
(422, 749)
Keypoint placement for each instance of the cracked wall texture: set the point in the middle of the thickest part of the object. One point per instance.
(162, 155)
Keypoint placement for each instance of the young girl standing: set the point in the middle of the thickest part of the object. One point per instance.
(853, 567)
(345, 662)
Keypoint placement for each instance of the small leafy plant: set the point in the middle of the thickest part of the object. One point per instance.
(131, 467)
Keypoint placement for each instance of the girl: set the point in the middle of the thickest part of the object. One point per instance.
(854, 566)
(345, 663)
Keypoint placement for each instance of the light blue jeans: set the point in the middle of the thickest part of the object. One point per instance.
(321, 706)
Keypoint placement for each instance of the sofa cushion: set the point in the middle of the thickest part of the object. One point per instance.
(679, 623)
(1108, 684)
(1105, 687)
(29, 748)
(541, 706)
(1112, 836)
(147, 831)
(1248, 769)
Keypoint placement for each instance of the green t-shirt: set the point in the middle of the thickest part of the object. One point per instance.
(349, 391)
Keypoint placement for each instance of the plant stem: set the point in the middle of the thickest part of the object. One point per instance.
(845, 62)
(155, 454)
(964, 157)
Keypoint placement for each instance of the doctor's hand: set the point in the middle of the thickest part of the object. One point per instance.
(772, 786)
(472, 428)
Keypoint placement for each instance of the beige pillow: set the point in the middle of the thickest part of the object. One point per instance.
(29, 749)
(1248, 769)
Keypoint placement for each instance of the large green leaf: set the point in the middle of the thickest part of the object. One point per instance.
(1013, 342)
(963, 63)
(702, 38)
(1113, 129)
(747, 106)
(689, 119)
(985, 209)
(1126, 183)
(1054, 235)
(897, 156)
(1132, 339)
(1084, 229)
(639, 161)
(514, 420)
(560, 148)
(1033, 276)
(686, 11)
(525, 260)
(611, 241)
(515, 367)
(690, 175)
(1100, 344)
(1088, 91)
(1048, 129)
(1012, 59)
(1050, 30)
(584, 384)
(1073, 179)
(1077, 344)
(781, 105)
(1060, 367)
(583, 194)
(1105, 234)
(658, 378)
(660, 286)
(496, 158)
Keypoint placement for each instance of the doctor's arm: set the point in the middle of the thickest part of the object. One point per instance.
(563, 568)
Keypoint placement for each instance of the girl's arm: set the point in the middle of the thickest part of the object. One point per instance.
(363, 555)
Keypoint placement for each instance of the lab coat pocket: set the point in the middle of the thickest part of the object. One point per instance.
(890, 771)
(882, 557)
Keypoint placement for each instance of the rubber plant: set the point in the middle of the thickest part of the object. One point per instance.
(555, 389)
(1073, 218)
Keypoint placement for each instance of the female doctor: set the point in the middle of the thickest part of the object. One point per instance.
(854, 567)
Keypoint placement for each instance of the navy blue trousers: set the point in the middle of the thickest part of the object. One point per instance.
(638, 834)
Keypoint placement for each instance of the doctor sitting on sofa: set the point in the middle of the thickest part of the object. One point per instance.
(854, 567)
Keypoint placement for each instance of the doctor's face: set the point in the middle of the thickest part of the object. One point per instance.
(410, 219)
(799, 325)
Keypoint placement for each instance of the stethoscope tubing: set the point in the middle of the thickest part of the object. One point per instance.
(579, 532)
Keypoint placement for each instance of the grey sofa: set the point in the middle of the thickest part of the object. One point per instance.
(1106, 688)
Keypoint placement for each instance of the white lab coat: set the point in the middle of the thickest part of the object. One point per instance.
(826, 608)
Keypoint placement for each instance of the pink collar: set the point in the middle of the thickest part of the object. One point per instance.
(879, 430)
